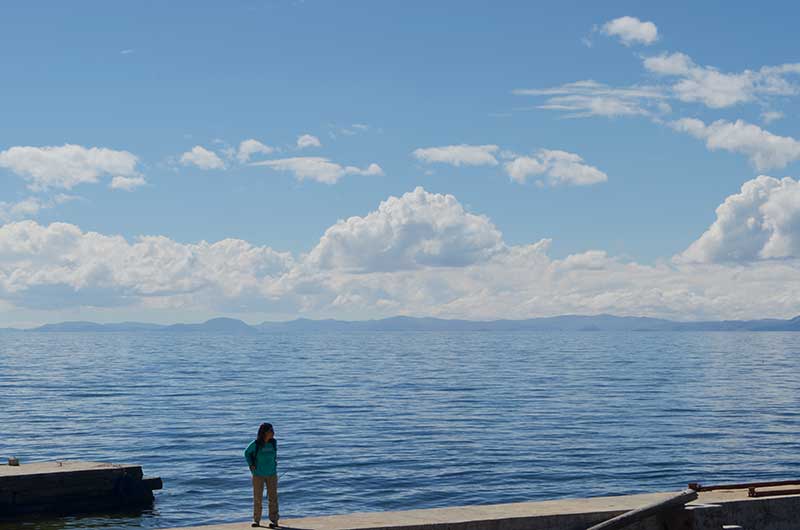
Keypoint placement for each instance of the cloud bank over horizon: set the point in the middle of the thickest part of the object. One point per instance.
(423, 254)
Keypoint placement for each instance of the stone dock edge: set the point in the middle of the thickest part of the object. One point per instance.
(711, 511)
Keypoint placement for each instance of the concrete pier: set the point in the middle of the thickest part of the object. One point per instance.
(72, 487)
(712, 510)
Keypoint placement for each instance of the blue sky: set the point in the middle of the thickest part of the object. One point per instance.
(676, 109)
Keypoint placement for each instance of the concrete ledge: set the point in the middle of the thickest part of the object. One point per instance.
(727, 507)
(72, 487)
(557, 514)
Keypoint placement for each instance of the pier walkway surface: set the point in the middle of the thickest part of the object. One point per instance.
(712, 510)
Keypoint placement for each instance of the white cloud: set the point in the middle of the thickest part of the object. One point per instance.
(458, 155)
(418, 254)
(583, 99)
(560, 167)
(678, 78)
(762, 221)
(764, 149)
(631, 30)
(715, 89)
(415, 230)
(352, 130)
(307, 140)
(66, 166)
(58, 264)
(30, 207)
(691, 83)
(127, 183)
(770, 116)
(318, 168)
(670, 64)
(201, 157)
(522, 167)
(250, 147)
(25, 208)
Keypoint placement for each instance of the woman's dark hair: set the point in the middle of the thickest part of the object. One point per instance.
(263, 429)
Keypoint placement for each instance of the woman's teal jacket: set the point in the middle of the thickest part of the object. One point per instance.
(265, 459)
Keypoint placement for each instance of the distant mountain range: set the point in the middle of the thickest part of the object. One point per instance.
(559, 323)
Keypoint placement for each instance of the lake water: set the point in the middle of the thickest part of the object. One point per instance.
(391, 421)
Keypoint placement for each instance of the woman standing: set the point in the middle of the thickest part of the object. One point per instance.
(262, 457)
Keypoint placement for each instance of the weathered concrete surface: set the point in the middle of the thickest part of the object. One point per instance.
(710, 511)
(71, 487)
(67, 466)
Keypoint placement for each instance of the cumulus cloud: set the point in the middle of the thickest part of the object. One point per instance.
(66, 166)
(762, 221)
(27, 207)
(201, 157)
(458, 155)
(318, 169)
(415, 230)
(559, 168)
(716, 89)
(127, 183)
(631, 30)
(59, 264)
(419, 254)
(250, 147)
(522, 167)
(583, 99)
(670, 64)
(523, 282)
(307, 140)
(764, 149)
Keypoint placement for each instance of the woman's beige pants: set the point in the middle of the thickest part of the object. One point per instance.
(258, 494)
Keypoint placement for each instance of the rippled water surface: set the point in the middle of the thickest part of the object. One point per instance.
(387, 421)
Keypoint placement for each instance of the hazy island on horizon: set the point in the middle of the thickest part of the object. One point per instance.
(405, 323)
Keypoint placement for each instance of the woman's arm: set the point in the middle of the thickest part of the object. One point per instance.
(249, 455)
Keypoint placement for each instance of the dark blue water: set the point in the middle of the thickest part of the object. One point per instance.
(388, 421)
